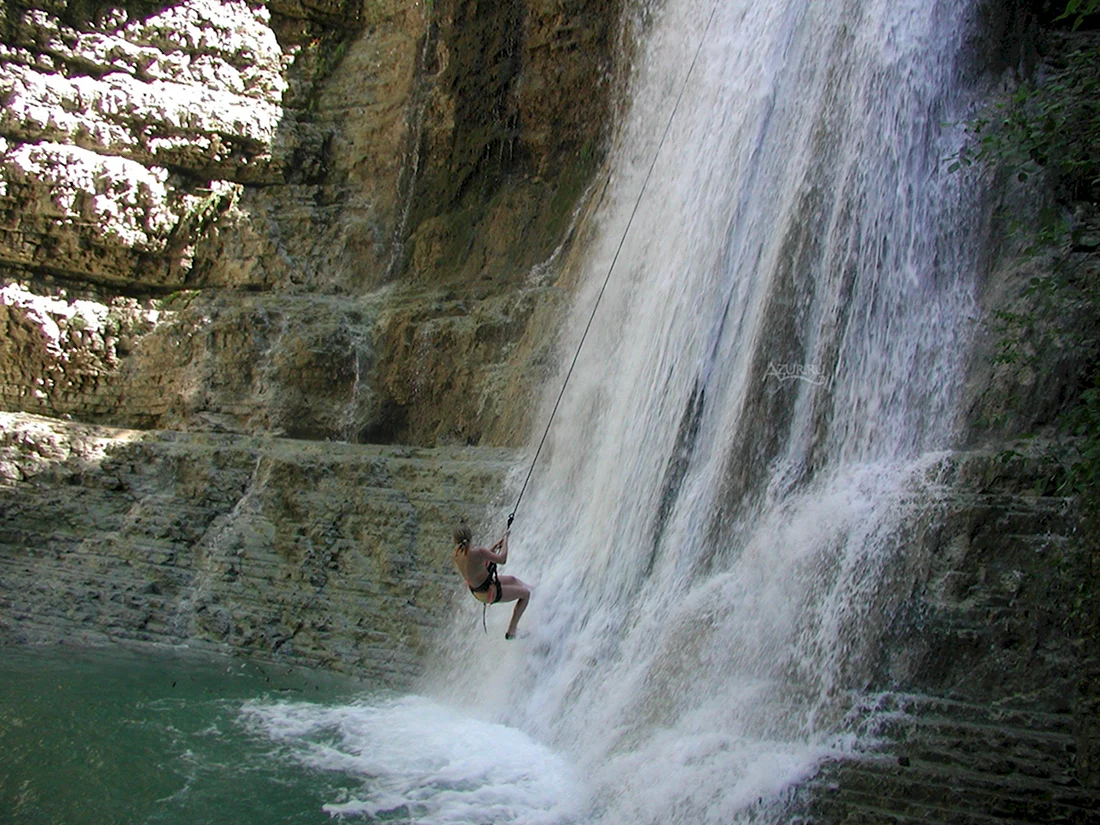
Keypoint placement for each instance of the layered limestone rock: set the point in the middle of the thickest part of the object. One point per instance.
(321, 223)
(380, 368)
(121, 135)
(331, 555)
(182, 180)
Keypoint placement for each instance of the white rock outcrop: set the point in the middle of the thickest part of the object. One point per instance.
(118, 134)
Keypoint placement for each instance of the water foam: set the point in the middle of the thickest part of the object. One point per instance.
(423, 761)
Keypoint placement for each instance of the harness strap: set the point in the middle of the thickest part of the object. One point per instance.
(492, 579)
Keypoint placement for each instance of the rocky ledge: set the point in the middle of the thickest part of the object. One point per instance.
(324, 554)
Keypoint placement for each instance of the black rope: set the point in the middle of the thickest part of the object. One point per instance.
(614, 260)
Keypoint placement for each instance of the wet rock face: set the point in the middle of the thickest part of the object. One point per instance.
(980, 698)
(512, 87)
(251, 217)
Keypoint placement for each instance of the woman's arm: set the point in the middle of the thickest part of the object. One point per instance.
(498, 553)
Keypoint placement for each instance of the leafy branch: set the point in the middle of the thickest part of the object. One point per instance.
(1079, 10)
(1051, 126)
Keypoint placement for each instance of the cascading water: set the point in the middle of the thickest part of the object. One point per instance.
(713, 526)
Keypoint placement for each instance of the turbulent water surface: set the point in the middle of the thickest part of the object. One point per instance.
(716, 528)
(102, 737)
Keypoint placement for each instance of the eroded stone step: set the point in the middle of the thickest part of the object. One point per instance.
(954, 741)
(932, 710)
(873, 811)
(970, 789)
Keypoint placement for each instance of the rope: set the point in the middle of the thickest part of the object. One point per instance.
(614, 260)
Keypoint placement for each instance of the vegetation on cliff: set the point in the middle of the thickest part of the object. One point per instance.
(1048, 130)
(1049, 126)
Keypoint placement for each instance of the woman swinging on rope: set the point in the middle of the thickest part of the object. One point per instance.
(478, 566)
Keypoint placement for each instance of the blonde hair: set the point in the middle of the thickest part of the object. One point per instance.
(463, 536)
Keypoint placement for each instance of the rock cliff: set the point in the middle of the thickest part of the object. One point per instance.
(981, 703)
(275, 218)
(333, 555)
(245, 246)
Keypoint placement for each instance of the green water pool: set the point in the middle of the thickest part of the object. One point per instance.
(115, 737)
(111, 736)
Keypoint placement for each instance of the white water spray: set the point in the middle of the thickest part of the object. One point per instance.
(714, 529)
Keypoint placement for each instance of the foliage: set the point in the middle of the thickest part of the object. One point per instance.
(1063, 315)
(1079, 10)
(1052, 126)
(1084, 421)
(177, 300)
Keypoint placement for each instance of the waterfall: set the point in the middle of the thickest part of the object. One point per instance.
(712, 527)
(715, 528)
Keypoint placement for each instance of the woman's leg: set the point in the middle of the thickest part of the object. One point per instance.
(513, 590)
